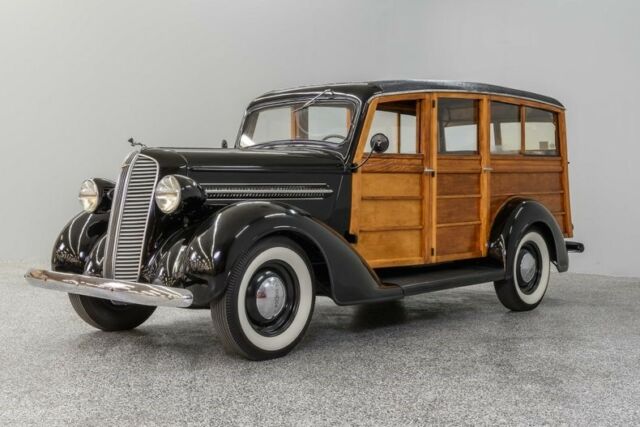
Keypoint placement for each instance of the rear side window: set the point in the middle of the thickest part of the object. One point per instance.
(516, 129)
(540, 132)
(457, 126)
(505, 129)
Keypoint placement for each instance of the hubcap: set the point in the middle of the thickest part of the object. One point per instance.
(270, 297)
(528, 266)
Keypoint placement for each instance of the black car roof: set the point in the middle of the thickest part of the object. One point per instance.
(365, 90)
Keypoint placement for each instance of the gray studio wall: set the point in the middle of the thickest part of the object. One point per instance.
(77, 78)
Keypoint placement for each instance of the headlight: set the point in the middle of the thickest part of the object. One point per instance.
(89, 196)
(168, 194)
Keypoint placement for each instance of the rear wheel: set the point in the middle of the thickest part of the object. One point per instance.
(268, 302)
(530, 274)
(109, 316)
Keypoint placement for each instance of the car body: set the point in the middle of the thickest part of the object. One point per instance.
(362, 192)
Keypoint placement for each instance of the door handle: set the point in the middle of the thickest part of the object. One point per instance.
(487, 169)
(429, 171)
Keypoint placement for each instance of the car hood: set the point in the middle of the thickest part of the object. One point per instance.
(246, 159)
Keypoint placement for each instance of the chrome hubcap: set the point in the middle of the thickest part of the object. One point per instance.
(270, 297)
(528, 266)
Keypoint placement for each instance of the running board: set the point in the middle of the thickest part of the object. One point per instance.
(418, 280)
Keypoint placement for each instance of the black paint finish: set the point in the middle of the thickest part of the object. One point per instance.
(512, 222)
(234, 229)
(77, 239)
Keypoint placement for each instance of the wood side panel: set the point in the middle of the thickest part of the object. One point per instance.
(458, 210)
(461, 240)
(392, 163)
(504, 163)
(390, 213)
(517, 183)
(389, 245)
(457, 184)
(391, 185)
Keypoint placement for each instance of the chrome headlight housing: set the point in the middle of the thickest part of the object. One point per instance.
(168, 194)
(89, 196)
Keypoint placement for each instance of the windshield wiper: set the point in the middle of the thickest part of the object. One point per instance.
(315, 99)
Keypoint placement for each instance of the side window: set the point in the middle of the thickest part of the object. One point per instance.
(505, 128)
(457, 126)
(540, 132)
(397, 120)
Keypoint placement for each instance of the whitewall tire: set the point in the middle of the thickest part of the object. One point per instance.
(269, 300)
(529, 271)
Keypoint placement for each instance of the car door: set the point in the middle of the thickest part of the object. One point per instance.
(390, 216)
(459, 132)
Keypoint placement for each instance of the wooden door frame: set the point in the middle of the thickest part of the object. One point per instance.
(427, 181)
(485, 165)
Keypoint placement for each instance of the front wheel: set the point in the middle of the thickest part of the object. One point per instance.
(530, 274)
(110, 316)
(268, 302)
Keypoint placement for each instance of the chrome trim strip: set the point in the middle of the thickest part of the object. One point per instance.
(114, 290)
(284, 191)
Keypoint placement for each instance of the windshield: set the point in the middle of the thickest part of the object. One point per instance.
(327, 122)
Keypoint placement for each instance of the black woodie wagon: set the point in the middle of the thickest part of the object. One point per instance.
(362, 192)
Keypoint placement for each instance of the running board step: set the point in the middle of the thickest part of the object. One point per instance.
(418, 280)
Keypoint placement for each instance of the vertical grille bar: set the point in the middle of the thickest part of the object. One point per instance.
(130, 218)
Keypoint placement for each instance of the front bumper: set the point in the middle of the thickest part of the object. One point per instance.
(110, 289)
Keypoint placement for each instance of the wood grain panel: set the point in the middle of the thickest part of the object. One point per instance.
(452, 210)
(461, 240)
(519, 183)
(391, 185)
(393, 163)
(458, 184)
(390, 213)
(391, 247)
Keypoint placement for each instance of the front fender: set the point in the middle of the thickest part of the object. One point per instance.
(513, 220)
(73, 246)
(234, 229)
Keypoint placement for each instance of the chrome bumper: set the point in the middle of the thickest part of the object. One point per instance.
(114, 290)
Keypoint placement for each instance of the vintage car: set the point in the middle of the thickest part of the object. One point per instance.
(361, 192)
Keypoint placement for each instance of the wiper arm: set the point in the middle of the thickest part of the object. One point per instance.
(315, 99)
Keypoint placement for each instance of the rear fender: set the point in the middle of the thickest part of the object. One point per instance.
(514, 219)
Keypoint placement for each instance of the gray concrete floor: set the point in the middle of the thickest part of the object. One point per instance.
(454, 357)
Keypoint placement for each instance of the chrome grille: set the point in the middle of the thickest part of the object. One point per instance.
(130, 217)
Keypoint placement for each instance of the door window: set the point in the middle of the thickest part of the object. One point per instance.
(397, 120)
(457, 126)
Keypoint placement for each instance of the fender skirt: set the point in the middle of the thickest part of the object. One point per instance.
(514, 219)
(230, 232)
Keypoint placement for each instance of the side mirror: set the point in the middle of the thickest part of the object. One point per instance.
(379, 143)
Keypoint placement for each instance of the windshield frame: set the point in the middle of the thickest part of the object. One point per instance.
(301, 98)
